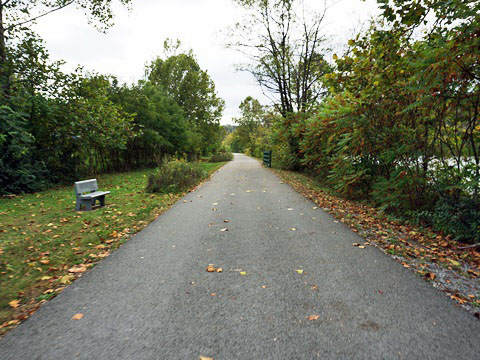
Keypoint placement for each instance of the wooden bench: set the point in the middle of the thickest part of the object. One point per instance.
(87, 194)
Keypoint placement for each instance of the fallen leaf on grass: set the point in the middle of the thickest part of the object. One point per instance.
(78, 269)
(77, 316)
(454, 262)
(459, 299)
(45, 278)
(67, 279)
(14, 303)
(313, 317)
(429, 276)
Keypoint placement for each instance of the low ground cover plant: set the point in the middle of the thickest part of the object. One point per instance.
(221, 156)
(175, 175)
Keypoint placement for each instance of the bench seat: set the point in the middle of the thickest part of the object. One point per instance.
(94, 194)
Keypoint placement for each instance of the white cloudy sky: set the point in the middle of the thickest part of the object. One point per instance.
(138, 36)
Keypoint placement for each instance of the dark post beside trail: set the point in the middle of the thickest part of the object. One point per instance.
(267, 158)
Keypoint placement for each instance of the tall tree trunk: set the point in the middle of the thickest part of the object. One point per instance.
(4, 65)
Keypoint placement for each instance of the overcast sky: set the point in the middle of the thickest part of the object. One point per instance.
(138, 35)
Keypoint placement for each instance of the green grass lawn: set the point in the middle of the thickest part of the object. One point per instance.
(45, 244)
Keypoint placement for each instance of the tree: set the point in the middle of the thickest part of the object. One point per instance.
(15, 15)
(286, 50)
(192, 88)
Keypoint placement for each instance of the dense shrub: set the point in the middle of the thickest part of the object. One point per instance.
(174, 176)
(221, 156)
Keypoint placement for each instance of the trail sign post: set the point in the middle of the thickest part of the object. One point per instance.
(267, 158)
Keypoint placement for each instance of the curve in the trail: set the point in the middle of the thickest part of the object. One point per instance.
(154, 299)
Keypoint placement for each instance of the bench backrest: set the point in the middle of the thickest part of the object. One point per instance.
(85, 186)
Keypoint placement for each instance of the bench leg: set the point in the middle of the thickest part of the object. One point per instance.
(78, 205)
(88, 205)
(102, 200)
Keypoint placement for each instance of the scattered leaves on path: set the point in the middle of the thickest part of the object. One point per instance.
(450, 265)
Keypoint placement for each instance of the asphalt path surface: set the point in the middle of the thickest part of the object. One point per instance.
(154, 299)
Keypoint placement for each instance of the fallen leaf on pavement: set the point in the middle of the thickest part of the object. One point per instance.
(223, 230)
(77, 316)
(293, 229)
(313, 317)
(243, 273)
(205, 358)
(299, 271)
(264, 286)
(226, 221)
(219, 270)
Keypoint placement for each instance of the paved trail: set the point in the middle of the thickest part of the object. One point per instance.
(152, 299)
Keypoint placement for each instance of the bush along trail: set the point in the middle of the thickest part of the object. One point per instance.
(45, 244)
(450, 266)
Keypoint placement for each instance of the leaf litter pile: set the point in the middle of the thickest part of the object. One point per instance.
(450, 266)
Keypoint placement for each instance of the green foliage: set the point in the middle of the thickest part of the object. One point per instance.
(400, 125)
(18, 172)
(181, 77)
(174, 176)
(221, 156)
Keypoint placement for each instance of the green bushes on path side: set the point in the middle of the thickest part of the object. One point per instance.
(221, 156)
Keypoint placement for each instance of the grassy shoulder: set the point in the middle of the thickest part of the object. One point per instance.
(45, 244)
(451, 266)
